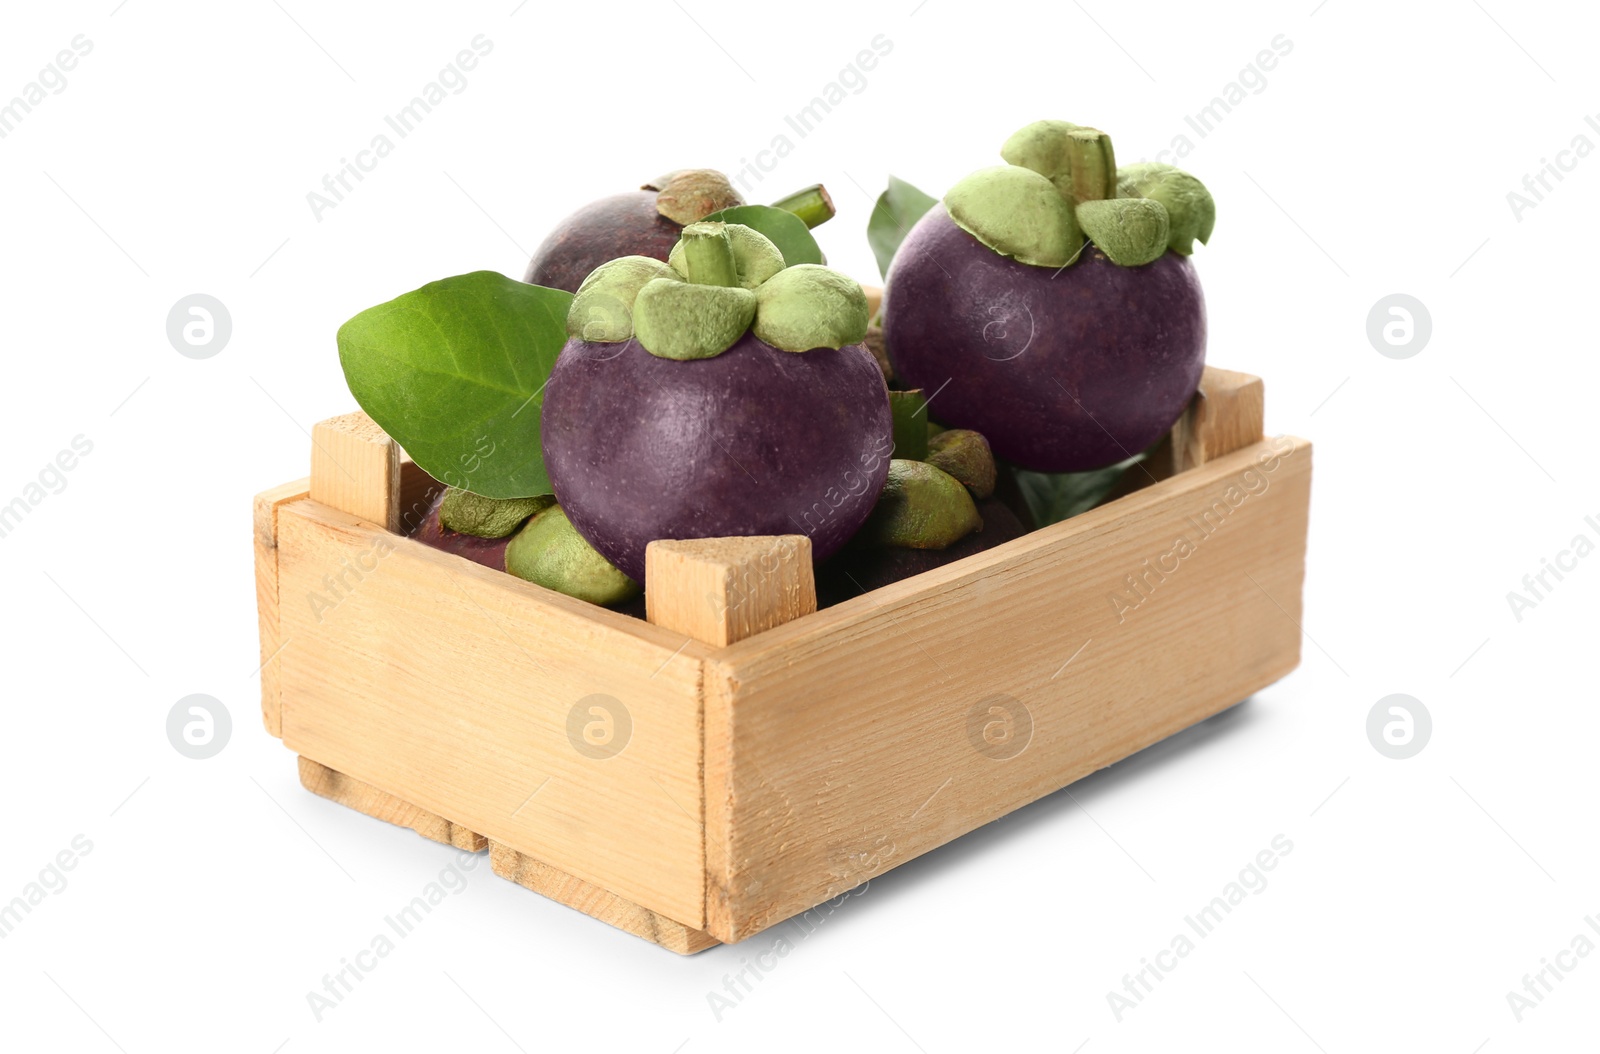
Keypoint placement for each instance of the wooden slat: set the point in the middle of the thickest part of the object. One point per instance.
(451, 686)
(722, 590)
(848, 742)
(1227, 414)
(597, 903)
(365, 798)
(355, 468)
(266, 557)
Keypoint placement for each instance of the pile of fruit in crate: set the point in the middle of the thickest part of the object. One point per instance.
(680, 364)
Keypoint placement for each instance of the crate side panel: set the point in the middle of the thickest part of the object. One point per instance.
(265, 524)
(454, 688)
(843, 745)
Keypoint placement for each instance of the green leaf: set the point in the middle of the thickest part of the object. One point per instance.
(897, 211)
(455, 371)
(909, 412)
(1056, 496)
(784, 229)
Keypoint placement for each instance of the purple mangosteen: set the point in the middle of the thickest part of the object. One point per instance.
(719, 394)
(431, 531)
(1049, 303)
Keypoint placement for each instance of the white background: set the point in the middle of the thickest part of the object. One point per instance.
(1376, 159)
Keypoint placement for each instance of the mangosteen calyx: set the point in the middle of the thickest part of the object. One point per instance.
(720, 281)
(689, 195)
(692, 194)
(1060, 190)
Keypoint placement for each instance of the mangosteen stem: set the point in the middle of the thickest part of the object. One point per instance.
(813, 205)
(1093, 165)
(708, 255)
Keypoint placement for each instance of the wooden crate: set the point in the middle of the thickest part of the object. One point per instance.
(771, 756)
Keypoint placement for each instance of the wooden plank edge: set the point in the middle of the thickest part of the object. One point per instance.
(672, 645)
(834, 619)
(265, 538)
(506, 862)
(364, 798)
(596, 902)
(730, 921)
(355, 467)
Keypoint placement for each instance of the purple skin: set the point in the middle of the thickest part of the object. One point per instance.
(754, 441)
(1061, 372)
(490, 552)
(858, 570)
(621, 225)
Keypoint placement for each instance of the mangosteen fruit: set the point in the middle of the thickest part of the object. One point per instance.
(1049, 303)
(549, 552)
(647, 222)
(862, 568)
(475, 527)
(718, 394)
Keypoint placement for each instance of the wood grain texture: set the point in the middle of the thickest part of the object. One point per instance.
(851, 741)
(470, 694)
(722, 590)
(265, 524)
(355, 468)
(365, 798)
(1227, 414)
(596, 902)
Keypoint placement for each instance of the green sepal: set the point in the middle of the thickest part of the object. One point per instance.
(1191, 211)
(1018, 213)
(920, 507)
(467, 513)
(1130, 231)
(964, 454)
(808, 306)
(674, 319)
(602, 310)
(755, 257)
(1042, 148)
(550, 552)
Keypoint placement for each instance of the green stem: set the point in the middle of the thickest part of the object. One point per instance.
(1093, 165)
(708, 255)
(813, 205)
